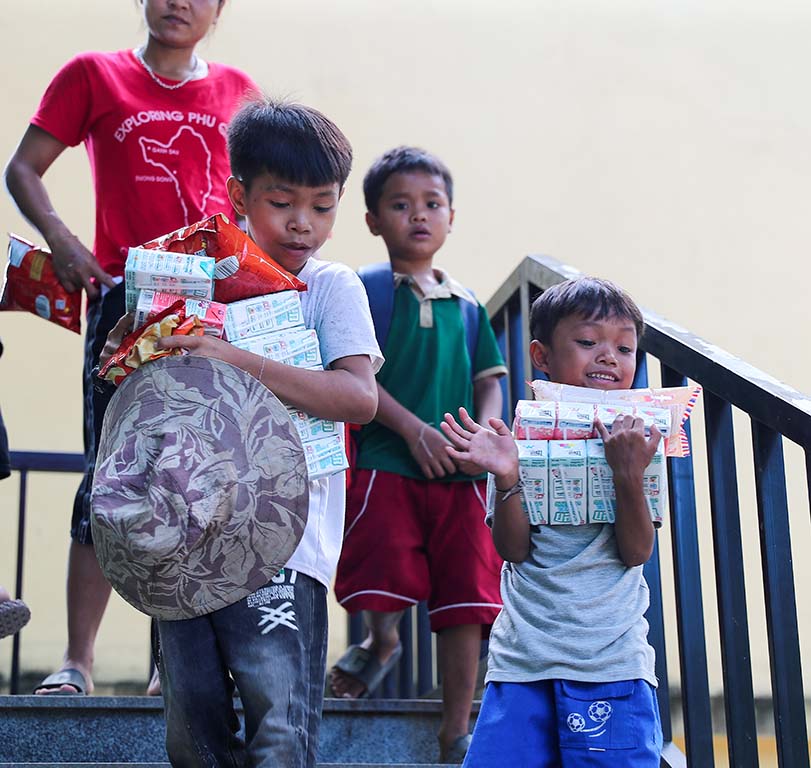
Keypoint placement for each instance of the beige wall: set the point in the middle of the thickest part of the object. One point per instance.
(662, 145)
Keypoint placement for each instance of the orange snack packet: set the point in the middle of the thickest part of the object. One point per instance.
(242, 269)
(138, 347)
(31, 285)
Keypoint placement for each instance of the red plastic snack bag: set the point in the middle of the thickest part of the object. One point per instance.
(31, 285)
(243, 270)
(138, 347)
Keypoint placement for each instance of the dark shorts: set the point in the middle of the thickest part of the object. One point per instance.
(102, 315)
(410, 540)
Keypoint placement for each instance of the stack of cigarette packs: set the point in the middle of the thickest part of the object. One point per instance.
(271, 326)
(565, 476)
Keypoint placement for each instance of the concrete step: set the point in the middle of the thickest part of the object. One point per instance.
(129, 730)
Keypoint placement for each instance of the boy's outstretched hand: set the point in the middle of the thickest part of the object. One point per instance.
(627, 450)
(477, 449)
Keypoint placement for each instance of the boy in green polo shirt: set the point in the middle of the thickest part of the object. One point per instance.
(414, 526)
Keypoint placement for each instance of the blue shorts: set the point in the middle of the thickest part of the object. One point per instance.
(564, 724)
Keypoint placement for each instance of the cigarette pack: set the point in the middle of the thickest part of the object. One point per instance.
(533, 466)
(311, 427)
(608, 412)
(567, 477)
(151, 303)
(661, 417)
(575, 421)
(179, 273)
(325, 456)
(602, 498)
(654, 485)
(263, 314)
(534, 420)
(293, 346)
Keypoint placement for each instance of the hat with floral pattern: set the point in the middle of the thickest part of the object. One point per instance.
(200, 493)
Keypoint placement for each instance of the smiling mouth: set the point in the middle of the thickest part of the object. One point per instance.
(603, 377)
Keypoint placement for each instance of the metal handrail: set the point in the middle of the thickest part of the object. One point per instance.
(25, 462)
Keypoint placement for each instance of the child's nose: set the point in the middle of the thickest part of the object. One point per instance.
(300, 222)
(419, 214)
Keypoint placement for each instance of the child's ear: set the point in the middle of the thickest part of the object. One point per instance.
(236, 194)
(450, 219)
(371, 222)
(539, 355)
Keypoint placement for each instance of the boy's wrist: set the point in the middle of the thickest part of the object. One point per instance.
(504, 482)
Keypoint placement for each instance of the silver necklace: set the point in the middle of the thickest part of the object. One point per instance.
(139, 54)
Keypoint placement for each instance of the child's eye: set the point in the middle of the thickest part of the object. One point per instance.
(433, 204)
(279, 204)
(399, 206)
(323, 208)
(626, 350)
(585, 342)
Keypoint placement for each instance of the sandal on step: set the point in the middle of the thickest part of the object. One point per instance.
(362, 665)
(69, 676)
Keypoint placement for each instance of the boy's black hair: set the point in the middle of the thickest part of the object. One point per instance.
(589, 297)
(402, 160)
(296, 143)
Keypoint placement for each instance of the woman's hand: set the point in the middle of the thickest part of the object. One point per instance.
(115, 337)
(76, 267)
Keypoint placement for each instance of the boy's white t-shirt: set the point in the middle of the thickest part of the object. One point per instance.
(336, 306)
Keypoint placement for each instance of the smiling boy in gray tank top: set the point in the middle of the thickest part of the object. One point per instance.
(570, 678)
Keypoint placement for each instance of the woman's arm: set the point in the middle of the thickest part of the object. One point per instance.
(75, 265)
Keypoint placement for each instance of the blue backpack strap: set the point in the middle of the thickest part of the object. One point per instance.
(470, 319)
(378, 281)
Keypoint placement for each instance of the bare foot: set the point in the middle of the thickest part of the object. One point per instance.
(154, 687)
(344, 686)
(52, 685)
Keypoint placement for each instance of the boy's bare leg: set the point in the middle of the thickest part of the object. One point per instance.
(88, 592)
(458, 656)
(382, 640)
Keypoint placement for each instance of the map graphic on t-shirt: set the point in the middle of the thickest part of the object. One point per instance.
(187, 153)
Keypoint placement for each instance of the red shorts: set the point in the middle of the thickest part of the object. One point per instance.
(410, 540)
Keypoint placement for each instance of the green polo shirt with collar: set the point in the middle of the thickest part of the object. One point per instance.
(428, 368)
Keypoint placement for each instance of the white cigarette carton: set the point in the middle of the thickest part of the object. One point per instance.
(311, 427)
(575, 421)
(293, 346)
(151, 303)
(608, 412)
(184, 274)
(325, 456)
(535, 420)
(533, 467)
(661, 417)
(654, 485)
(602, 498)
(567, 478)
(263, 314)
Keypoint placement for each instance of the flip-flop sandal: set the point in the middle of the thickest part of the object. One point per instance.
(455, 753)
(69, 676)
(362, 665)
(14, 615)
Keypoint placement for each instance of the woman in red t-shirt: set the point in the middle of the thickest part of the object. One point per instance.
(153, 122)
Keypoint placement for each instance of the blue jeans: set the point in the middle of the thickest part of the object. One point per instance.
(272, 646)
(565, 724)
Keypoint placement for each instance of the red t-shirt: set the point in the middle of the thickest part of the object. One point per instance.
(158, 157)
